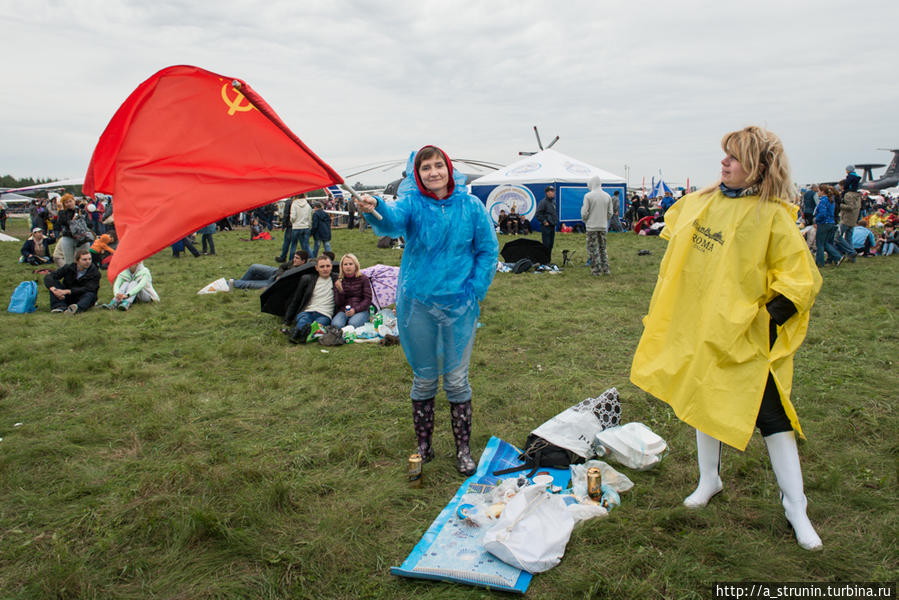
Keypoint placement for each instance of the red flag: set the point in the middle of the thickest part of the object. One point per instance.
(187, 149)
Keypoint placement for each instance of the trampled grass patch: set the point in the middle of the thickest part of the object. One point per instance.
(186, 450)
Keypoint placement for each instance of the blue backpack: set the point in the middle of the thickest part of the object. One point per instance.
(24, 298)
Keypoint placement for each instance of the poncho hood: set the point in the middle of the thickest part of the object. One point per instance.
(451, 186)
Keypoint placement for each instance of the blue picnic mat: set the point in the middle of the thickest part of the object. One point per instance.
(452, 551)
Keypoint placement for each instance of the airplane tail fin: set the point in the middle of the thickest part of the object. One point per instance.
(894, 164)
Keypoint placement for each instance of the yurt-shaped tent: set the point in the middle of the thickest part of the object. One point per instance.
(521, 185)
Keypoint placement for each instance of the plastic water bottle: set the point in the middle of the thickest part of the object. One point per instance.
(371, 314)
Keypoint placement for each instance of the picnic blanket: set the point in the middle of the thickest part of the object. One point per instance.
(452, 551)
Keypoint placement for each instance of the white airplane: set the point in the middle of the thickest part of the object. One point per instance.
(13, 195)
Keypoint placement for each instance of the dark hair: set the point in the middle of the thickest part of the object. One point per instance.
(329, 254)
(302, 254)
(81, 252)
(426, 153)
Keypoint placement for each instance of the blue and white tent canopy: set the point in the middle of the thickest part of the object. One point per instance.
(520, 185)
(659, 189)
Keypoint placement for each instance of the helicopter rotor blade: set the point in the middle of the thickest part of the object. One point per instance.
(537, 133)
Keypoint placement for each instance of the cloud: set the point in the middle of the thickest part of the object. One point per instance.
(652, 85)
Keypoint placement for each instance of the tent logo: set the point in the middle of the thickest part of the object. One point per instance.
(525, 168)
(507, 197)
(235, 105)
(577, 168)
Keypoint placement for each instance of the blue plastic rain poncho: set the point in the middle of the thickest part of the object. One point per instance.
(448, 263)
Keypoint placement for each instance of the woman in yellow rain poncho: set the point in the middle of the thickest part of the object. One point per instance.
(730, 308)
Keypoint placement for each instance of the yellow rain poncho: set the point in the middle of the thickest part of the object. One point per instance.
(704, 348)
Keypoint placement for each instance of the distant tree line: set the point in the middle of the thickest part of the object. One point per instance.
(359, 186)
(12, 182)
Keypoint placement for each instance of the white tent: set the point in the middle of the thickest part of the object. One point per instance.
(522, 183)
(547, 166)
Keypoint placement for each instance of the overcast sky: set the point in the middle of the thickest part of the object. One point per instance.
(653, 85)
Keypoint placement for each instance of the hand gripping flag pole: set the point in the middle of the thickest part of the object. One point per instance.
(254, 99)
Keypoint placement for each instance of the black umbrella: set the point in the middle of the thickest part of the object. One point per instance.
(524, 248)
(275, 297)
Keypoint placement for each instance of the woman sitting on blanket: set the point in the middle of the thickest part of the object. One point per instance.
(352, 294)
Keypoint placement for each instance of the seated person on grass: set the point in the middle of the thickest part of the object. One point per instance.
(863, 239)
(73, 287)
(261, 276)
(255, 228)
(133, 284)
(312, 301)
(888, 242)
(352, 294)
(36, 249)
(502, 221)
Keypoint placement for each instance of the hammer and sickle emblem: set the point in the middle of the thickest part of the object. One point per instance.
(235, 104)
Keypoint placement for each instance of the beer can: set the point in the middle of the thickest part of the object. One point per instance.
(594, 483)
(414, 471)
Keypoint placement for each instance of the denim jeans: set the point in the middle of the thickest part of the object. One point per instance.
(844, 243)
(325, 244)
(285, 245)
(300, 237)
(358, 320)
(208, 243)
(548, 237)
(824, 244)
(307, 318)
(256, 277)
(455, 383)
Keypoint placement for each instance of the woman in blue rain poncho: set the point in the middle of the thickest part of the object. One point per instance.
(448, 264)
(730, 309)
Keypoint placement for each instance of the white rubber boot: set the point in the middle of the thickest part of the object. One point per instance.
(708, 454)
(785, 462)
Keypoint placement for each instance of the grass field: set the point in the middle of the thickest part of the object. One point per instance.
(186, 450)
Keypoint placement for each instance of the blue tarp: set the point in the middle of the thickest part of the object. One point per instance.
(452, 551)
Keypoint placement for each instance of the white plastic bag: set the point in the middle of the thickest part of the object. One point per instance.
(634, 445)
(576, 427)
(532, 532)
(610, 477)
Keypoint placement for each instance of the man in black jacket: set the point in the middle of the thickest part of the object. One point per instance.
(73, 287)
(548, 217)
(313, 300)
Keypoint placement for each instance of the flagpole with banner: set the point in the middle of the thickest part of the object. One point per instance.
(188, 148)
